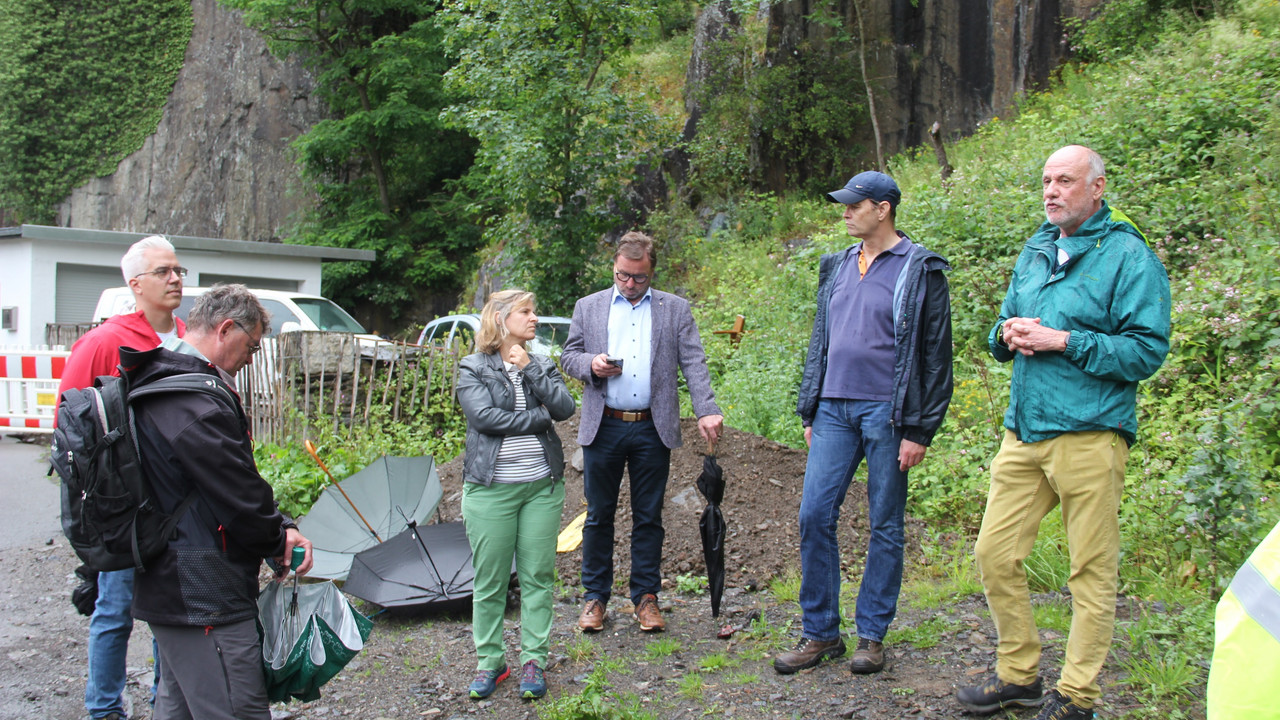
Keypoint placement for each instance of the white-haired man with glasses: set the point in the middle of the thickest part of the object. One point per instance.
(151, 269)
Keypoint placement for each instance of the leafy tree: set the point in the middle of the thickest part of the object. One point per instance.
(558, 135)
(779, 114)
(384, 167)
(82, 85)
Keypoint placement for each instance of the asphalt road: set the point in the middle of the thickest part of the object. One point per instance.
(29, 502)
(42, 638)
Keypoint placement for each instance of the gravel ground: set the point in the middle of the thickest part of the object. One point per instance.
(418, 665)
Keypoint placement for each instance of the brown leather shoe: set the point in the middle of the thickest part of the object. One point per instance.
(648, 614)
(868, 658)
(592, 617)
(806, 654)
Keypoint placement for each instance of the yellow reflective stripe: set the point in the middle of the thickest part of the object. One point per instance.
(1259, 599)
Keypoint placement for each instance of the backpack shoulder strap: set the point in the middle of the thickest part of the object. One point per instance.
(185, 382)
(193, 382)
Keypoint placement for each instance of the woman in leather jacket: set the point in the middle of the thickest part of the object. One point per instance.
(513, 494)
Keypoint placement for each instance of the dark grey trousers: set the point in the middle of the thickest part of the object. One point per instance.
(211, 673)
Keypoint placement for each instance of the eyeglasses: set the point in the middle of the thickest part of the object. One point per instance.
(639, 279)
(253, 349)
(164, 272)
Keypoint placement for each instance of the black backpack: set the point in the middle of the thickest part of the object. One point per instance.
(108, 511)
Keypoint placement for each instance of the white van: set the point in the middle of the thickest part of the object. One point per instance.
(289, 310)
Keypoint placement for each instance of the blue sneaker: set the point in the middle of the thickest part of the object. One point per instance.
(533, 684)
(487, 681)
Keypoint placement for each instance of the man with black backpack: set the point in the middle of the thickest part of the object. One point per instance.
(151, 269)
(200, 594)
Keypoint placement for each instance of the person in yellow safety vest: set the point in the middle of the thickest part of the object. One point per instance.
(1247, 637)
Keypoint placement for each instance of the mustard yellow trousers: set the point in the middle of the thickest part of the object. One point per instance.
(1084, 472)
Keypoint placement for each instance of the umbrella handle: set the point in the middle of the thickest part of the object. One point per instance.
(311, 448)
(711, 447)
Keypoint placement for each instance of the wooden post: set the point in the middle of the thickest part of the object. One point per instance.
(736, 332)
(944, 167)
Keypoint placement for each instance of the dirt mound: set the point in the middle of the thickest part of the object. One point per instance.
(762, 501)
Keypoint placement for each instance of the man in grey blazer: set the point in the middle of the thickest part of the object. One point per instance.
(625, 344)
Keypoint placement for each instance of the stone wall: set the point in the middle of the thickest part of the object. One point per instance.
(218, 165)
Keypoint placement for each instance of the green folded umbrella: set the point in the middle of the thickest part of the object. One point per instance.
(309, 633)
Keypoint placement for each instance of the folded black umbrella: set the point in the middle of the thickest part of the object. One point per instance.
(712, 527)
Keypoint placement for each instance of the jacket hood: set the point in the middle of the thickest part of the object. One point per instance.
(1090, 234)
(145, 366)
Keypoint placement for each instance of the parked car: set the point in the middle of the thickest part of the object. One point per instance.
(306, 312)
(552, 332)
(290, 311)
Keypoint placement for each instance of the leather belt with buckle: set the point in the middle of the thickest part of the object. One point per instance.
(628, 415)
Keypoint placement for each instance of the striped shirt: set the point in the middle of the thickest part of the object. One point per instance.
(520, 459)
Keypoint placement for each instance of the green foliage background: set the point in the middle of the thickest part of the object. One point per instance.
(538, 85)
(1189, 129)
(82, 85)
(776, 119)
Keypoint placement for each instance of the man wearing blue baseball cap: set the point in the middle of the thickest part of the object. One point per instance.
(876, 385)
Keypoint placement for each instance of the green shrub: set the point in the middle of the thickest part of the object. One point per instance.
(298, 480)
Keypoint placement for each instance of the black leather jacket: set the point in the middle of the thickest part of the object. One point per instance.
(922, 376)
(488, 399)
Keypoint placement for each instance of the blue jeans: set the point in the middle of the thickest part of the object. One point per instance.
(845, 432)
(637, 447)
(109, 630)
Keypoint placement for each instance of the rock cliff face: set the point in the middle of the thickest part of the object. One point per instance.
(961, 62)
(955, 62)
(218, 165)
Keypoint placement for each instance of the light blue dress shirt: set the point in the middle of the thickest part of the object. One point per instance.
(630, 338)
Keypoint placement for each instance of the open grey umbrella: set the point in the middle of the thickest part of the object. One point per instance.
(423, 565)
(367, 508)
(712, 527)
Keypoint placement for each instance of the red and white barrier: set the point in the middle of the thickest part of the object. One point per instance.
(29, 389)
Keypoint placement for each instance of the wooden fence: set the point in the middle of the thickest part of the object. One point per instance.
(308, 374)
(303, 375)
(66, 334)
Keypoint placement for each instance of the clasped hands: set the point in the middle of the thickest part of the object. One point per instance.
(1027, 336)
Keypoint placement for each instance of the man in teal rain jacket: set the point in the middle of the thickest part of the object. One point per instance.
(1085, 319)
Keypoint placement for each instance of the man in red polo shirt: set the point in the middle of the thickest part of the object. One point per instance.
(151, 269)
